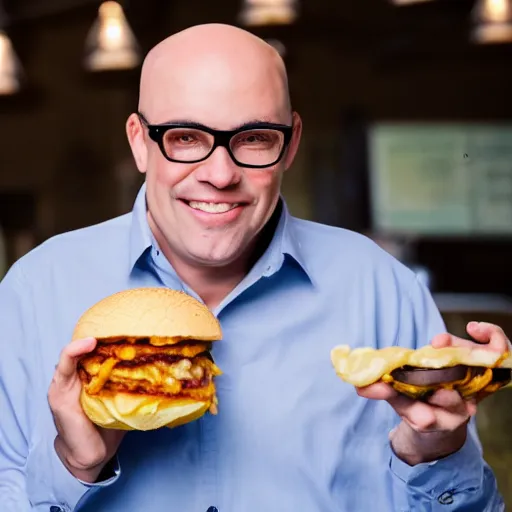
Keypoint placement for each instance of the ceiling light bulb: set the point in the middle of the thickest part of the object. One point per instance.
(493, 21)
(9, 67)
(269, 12)
(111, 44)
(497, 11)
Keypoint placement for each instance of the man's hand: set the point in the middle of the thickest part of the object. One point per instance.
(436, 428)
(82, 447)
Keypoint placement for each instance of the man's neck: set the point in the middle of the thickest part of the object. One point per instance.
(213, 284)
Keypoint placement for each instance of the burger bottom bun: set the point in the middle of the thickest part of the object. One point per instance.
(126, 411)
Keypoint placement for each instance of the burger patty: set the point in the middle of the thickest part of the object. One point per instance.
(201, 392)
(129, 351)
(185, 370)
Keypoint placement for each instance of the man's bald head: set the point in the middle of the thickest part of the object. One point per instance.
(215, 74)
(222, 78)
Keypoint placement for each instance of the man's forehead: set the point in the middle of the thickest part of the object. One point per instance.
(224, 110)
(222, 93)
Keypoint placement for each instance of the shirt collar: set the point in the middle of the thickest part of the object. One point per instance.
(285, 241)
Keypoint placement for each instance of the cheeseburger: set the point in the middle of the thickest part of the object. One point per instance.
(152, 365)
(419, 373)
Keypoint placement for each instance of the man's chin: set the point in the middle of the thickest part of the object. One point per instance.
(215, 260)
(224, 253)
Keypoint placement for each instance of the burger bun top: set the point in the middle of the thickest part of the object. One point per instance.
(165, 316)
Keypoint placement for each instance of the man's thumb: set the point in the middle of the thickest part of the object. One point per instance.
(66, 367)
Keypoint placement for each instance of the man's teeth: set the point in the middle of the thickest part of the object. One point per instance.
(212, 207)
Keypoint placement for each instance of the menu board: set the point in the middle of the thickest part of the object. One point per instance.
(441, 178)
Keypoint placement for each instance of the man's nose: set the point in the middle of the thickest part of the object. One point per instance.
(219, 170)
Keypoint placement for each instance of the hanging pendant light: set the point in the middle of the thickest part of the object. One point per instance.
(10, 69)
(268, 12)
(111, 44)
(409, 2)
(493, 21)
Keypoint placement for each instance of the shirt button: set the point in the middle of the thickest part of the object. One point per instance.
(212, 509)
(446, 498)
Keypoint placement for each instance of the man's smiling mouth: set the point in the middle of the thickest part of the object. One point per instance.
(212, 207)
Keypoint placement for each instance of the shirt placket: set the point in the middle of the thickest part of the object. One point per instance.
(208, 498)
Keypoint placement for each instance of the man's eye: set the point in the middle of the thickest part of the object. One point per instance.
(253, 138)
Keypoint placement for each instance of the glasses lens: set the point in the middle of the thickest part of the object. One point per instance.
(187, 144)
(257, 147)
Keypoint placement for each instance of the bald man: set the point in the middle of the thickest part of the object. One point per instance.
(214, 134)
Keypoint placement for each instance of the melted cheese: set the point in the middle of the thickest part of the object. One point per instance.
(126, 353)
(101, 376)
(468, 386)
(157, 375)
(364, 366)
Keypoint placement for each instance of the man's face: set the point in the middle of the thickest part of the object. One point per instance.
(209, 213)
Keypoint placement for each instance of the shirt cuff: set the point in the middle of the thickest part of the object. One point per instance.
(106, 477)
(459, 471)
(70, 490)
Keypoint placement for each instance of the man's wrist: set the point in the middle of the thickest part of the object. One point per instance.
(414, 447)
(87, 475)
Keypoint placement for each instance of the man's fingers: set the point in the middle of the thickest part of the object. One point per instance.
(471, 406)
(452, 410)
(379, 391)
(491, 334)
(449, 340)
(484, 333)
(449, 400)
(419, 415)
(444, 409)
(68, 358)
(444, 340)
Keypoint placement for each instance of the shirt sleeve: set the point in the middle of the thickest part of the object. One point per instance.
(460, 482)
(31, 473)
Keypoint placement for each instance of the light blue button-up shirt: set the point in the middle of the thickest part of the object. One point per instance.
(290, 436)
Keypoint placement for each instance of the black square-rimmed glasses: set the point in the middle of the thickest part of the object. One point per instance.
(255, 145)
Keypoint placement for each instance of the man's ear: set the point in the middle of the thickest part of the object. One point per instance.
(295, 141)
(135, 134)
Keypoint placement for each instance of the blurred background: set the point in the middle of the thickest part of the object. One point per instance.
(407, 132)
